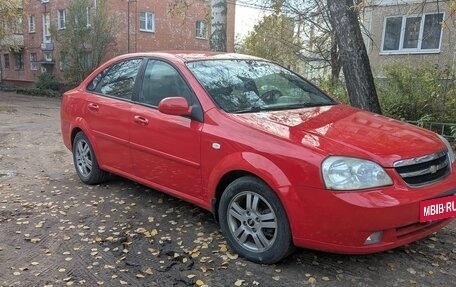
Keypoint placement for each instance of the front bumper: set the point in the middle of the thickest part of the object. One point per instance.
(341, 222)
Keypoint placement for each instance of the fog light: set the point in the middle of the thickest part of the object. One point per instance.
(374, 238)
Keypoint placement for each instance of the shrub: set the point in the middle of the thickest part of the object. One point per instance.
(337, 91)
(47, 81)
(418, 94)
(38, 92)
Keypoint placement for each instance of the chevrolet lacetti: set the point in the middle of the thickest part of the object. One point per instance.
(277, 161)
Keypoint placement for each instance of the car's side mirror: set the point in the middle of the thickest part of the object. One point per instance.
(177, 106)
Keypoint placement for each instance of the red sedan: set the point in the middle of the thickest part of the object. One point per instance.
(275, 159)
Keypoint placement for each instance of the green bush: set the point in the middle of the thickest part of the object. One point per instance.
(425, 93)
(337, 91)
(47, 81)
(38, 92)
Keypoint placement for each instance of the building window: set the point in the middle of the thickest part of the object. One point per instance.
(419, 33)
(6, 61)
(88, 17)
(48, 57)
(147, 21)
(201, 30)
(33, 62)
(46, 28)
(19, 59)
(31, 24)
(61, 19)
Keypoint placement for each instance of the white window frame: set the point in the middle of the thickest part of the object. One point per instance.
(417, 50)
(46, 28)
(48, 56)
(61, 19)
(201, 33)
(33, 62)
(31, 24)
(88, 24)
(145, 18)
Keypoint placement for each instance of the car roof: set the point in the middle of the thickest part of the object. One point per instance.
(187, 56)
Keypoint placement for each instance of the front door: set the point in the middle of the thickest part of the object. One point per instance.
(166, 148)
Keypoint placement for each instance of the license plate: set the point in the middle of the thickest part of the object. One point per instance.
(438, 208)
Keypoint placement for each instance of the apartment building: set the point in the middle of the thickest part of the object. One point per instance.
(410, 32)
(143, 25)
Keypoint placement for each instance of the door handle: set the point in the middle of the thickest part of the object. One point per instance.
(93, 107)
(141, 120)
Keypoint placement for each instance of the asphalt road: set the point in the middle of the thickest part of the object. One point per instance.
(56, 231)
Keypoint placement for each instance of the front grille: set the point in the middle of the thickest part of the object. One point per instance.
(425, 169)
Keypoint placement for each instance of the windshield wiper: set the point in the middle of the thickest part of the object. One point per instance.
(254, 109)
(257, 109)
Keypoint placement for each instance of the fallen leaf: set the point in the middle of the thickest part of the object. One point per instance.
(199, 283)
(239, 282)
(149, 271)
(411, 270)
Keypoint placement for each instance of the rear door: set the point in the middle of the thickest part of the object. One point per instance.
(166, 148)
(108, 113)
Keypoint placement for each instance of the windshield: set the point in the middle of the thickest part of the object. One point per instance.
(239, 86)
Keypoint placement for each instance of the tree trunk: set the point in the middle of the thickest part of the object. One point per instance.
(353, 54)
(336, 65)
(218, 25)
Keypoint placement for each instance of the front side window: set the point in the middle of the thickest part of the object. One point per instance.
(61, 19)
(201, 30)
(238, 86)
(413, 33)
(147, 21)
(119, 79)
(31, 24)
(161, 81)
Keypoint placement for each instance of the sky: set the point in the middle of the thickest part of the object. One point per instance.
(245, 19)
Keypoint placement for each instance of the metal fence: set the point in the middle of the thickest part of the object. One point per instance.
(448, 130)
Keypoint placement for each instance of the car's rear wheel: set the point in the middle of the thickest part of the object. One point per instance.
(254, 221)
(85, 161)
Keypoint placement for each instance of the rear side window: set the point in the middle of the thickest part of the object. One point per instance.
(118, 80)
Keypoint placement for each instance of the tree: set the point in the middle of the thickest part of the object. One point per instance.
(355, 61)
(274, 38)
(86, 39)
(10, 21)
(313, 28)
(219, 11)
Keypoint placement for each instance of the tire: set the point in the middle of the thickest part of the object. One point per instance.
(254, 221)
(85, 161)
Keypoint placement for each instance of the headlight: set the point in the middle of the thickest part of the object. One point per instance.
(346, 173)
(450, 149)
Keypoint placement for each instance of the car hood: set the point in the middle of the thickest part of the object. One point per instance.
(344, 130)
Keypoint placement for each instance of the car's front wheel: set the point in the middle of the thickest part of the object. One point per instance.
(85, 161)
(254, 221)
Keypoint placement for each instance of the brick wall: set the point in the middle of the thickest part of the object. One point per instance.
(175, 29)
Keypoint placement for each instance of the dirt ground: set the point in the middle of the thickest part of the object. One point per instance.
(56, 231)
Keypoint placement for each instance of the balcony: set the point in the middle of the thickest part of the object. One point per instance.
(12, 41)
(47, 46)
